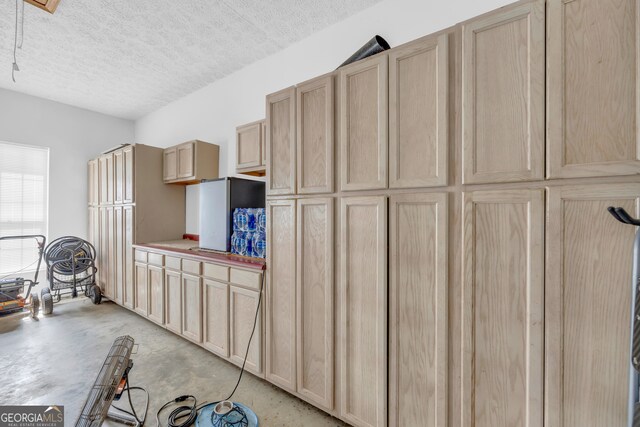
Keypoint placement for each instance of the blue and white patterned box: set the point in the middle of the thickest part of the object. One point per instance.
(249, 232)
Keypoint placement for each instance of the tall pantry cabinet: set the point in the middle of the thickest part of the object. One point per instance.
(128, 203)
(461, 269)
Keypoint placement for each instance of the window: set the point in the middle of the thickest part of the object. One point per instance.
(24, 175)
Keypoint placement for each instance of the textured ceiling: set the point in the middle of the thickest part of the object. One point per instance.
(129, 57)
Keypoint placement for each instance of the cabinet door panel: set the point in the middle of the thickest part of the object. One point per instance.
(315, 136)
(127, 293)
(587, 310)
(363, 124)
(502, 300)
(281, 142)
(103, 248)
(93, 182)
(103, 178)
(248, 142)
(186, 159)
(156, 294)
(192, 307)
(128, 174)
(418, 310)
(592, 88)
(315, 349)
(118, 252)
(418, 113)
(170, 164)
(110, 233)
(363, 310)
(173, 301)
(118, 180)
(281, 294)
(503, 95)
(242, 312)
(110, 179)
(216, 317)
(141, 289)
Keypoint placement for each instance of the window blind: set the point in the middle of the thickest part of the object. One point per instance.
(24, 173)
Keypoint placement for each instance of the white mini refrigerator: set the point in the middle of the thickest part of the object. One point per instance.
(218, 199)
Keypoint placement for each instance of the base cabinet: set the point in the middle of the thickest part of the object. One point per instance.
(362, 297)
(141, 289)
(192, 307)
(173, 301)
(216, 317)
(155, 276)
(243, 304)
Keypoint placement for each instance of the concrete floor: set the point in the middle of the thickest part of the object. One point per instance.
(54, 360)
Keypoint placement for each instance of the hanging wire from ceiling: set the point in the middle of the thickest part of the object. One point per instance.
(17, 42)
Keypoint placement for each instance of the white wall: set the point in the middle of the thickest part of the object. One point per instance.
(212, 113)
(73, 136)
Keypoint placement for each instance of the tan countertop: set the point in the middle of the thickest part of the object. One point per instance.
(189, 248)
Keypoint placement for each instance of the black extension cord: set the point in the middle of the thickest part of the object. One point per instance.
(185, 415)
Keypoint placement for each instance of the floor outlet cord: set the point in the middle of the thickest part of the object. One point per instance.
(133, 409)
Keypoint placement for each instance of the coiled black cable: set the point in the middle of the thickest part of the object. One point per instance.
(182, 416)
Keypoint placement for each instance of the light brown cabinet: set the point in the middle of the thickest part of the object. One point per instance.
(362, 299)
(128, 187)
(155, 294)
(173, 300)
(118, 173)
(249, 147)
(243, 305)
(593, 88)
(502, 308)
(363, 124)
(418, 313)
(216, 317)
(127, 257)
(192, 307)
(93, 182)
(118, 255)
(587, 305)
(190, 162)
(105, 177)
(281, 294)
(141, 288)
(503, 100)
(281, 142)
(314, 125)
(418, 113)
(314, 301)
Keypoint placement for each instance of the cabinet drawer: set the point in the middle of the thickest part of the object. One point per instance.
(155, 259)
(141, 256)
(172, 262)
(245, 278)
(215, 271)
(189, 266)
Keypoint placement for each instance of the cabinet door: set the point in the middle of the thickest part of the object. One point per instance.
(503, 95)
(502, 308)
(281, 294)
(92, 182)
(110, 234)
(118, 255)
(104, 175)
(418, 316)
(141, 289)
(110, 178)
(103, 249)
(587, 309)
(156, 294)
(362, 297)
(592, 88)
(243, 305)
(216, 317)
(418, 113)
(192, 307)
(118, 180)
(170, 164)
(186, 160)
(314, 102)
(263, 142)
(173, 301)
(248, 144)
(128, 174)
(363, 124)
(128, 293)
(314, 312)
(281, 142)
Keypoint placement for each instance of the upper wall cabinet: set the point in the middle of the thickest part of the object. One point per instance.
(190, 162)
(503, 67)
(249, 148)
(281, 142)
(592, 88)
(418, 116)
(363, 124)
(314, 102)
